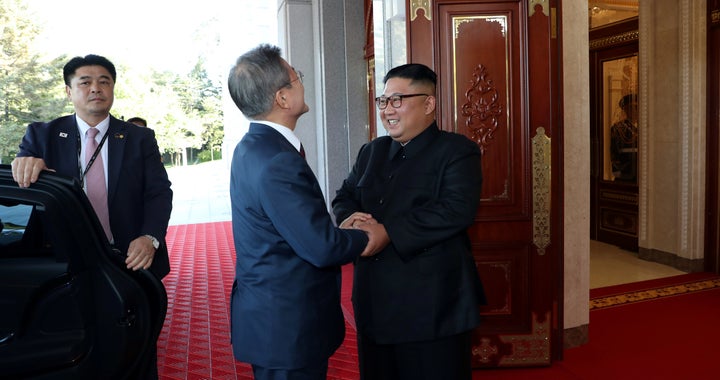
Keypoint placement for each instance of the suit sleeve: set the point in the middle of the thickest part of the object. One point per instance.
(54, 143)
(31, 143)
(296, 206)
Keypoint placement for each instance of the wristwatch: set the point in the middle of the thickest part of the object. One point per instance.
(155, 242)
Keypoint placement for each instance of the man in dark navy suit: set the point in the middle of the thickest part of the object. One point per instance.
(138, 194)
(285, 303)
(416, 301)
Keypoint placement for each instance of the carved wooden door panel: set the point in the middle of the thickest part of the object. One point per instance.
(498, 71)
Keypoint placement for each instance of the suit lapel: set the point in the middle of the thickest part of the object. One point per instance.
(117, 135)
(68, 140)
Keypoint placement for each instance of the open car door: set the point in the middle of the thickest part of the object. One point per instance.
(69, 307)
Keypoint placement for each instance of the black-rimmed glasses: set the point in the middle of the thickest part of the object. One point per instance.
(394, 100)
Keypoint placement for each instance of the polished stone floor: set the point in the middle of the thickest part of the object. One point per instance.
(610, 265)
(201, 193)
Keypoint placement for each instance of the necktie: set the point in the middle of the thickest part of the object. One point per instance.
(95, 182)
(302, 151)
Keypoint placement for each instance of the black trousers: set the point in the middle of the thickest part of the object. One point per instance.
(445, 358)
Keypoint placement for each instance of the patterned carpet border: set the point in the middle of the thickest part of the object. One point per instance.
(653, 294)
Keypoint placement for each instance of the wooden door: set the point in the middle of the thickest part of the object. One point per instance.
(614, 176)
(498, 75)
(369, 52)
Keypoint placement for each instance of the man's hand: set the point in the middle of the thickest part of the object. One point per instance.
(356, 219)
(378, 238)
(140, 253)
(26, 170)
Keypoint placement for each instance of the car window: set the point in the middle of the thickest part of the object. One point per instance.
(13, 221)
(25, 232)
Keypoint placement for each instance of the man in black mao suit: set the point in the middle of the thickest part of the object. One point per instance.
(416, 302)
(139, 197)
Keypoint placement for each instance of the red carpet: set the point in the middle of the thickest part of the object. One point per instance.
(195, 341)
(660, 329)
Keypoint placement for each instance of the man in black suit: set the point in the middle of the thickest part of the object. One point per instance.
(139, 198)
(416, 301)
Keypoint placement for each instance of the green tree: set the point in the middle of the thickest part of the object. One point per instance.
(209, 106)
(185, 111)
(201, 96)
(213, 134)
(29, 90)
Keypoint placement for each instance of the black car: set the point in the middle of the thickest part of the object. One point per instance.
(69, 308)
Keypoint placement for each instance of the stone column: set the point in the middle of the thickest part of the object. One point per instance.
(325, 39)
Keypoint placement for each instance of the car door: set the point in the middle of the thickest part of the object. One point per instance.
(70, 309)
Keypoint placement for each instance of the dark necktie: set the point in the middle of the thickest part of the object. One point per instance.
(95, 182)
(302, 151)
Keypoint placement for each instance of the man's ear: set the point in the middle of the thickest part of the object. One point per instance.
(67, 91)
(430, 104)
(280, 98)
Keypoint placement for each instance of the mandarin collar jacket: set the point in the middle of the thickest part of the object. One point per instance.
(424, 284)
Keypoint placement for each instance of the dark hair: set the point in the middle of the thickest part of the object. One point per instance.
(89, 60)
(255, 78)
(627, 99)
(137, 119)
(416, 72)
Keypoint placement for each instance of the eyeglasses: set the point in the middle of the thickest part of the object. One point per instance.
(300, 77)
(394, 100)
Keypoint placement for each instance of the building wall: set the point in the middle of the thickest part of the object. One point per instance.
(325, 39)
(576, 133)
(672, 132)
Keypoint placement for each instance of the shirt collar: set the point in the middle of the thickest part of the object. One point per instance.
(102, 126)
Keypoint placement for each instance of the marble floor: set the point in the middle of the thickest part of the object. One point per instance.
(610, 265)
(201, 193)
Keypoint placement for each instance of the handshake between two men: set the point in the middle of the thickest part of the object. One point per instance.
(378, 237)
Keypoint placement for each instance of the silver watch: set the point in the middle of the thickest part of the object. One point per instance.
(155, 242)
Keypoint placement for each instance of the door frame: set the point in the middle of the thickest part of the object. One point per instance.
(616, 40)
(712, 205)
